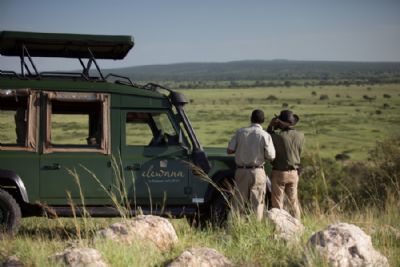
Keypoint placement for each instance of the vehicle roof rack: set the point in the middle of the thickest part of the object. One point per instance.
(65, 45)
(81, 46)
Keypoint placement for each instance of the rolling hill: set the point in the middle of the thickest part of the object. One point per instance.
(264, 70)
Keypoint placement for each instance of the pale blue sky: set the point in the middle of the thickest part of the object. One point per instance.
(220, 30)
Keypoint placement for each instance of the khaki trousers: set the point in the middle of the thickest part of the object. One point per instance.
(249, 193)
(285, 182)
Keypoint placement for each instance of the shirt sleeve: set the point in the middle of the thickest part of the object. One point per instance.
(269, 149)
(233, 143)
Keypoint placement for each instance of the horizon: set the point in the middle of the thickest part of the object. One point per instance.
(218, 32)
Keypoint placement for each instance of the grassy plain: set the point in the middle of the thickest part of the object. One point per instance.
(346, 122)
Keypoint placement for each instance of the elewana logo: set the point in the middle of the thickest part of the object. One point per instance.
(151, 172)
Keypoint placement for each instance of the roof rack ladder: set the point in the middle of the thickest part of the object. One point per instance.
(24, 65)
(93, 59)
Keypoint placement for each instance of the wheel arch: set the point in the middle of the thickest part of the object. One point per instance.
(12, 183)
(218, 178)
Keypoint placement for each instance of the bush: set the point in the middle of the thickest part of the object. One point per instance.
(326, 183)
(272, 98)
(323, 97)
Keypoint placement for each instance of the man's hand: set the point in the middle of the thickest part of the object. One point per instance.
(230, 151)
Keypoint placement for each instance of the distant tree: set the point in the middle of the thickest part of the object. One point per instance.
(323, 97)
(271, 98)
(342, 157)
(369, 98)
(387, 96)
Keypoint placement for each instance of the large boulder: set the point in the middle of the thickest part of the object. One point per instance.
(147, 228)
(12, 261)
(80, 257)
(344, 245)
(287, 227)
(201, 257)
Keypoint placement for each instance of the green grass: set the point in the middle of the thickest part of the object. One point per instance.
(346, 124)
(246, 243)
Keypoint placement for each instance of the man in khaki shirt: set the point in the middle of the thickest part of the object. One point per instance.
(251, 146)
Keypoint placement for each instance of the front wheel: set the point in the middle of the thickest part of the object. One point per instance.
(219, 211)
(214, 215)
(10, 214)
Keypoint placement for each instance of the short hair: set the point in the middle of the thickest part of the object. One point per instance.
(257, 116)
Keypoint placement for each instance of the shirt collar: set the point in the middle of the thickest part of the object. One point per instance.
(256, 125)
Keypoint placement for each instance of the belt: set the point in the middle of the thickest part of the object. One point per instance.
(284, 169)
(250, 167)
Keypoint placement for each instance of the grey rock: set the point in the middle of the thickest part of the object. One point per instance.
(13, 261)
(201, 257)
(80, 257)
(345, 245)
(148, 228)
(287, 227)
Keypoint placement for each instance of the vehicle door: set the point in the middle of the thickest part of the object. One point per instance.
(19, 114)
(155, 159)
(76, 150)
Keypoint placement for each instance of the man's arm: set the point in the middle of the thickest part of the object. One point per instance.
(232, 145)
(269, 149)
(272, 125)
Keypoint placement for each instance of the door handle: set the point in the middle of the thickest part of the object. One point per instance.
(133, 167)
(53, 167)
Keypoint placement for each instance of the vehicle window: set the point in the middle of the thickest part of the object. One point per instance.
(149, 129)
(77, 121)
(70, 129)
(14, 119)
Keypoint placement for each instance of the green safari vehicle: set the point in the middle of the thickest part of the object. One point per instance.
(84, 137)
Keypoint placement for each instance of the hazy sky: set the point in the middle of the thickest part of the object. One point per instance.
(169, 31)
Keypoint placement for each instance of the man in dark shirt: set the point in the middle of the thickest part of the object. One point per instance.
(288, 143)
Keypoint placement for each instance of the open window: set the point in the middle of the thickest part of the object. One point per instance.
(150, 129)
(77, 122)
(19, 117)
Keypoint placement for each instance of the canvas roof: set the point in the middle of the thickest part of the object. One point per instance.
(65, 45)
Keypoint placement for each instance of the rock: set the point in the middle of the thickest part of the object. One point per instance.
(12, 261)
(344, 245)
(80, 257)
(201, 257)
(157, 230)
(287, 227)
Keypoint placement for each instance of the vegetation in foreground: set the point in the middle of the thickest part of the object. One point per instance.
(245, 242)
(359, 187)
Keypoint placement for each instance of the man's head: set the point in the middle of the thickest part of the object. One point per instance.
(287, 119)
(257, 116)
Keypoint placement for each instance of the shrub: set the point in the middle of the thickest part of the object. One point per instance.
(386, 96)
(342, 157)
(325, 183)
(323, 97)
(271, 98)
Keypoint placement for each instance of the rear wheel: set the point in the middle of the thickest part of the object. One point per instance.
(10, 214)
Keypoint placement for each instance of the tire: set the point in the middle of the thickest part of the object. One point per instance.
(215, 215)
(10, 214)
(218, 212)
